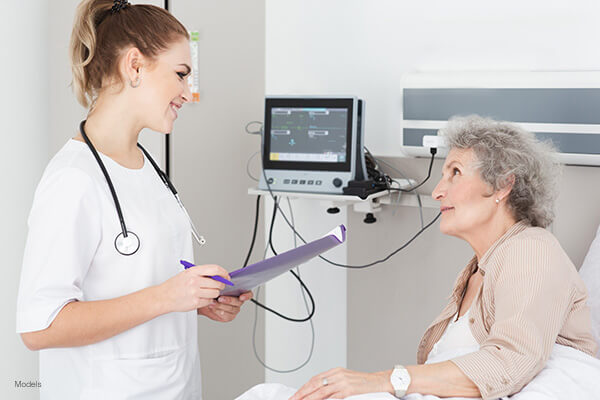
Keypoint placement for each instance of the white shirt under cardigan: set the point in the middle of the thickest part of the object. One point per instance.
(70, 255)
(457, 339)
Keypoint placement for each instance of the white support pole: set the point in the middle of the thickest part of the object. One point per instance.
(288, 343)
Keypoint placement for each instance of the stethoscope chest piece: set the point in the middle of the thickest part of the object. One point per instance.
(127, 245)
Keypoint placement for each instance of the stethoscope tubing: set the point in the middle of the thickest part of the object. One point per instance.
(107, 176)
(164, 178)
(199, 238)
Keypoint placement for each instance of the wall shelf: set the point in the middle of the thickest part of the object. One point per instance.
(371, 204)
(336, 198)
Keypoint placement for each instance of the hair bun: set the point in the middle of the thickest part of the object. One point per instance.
(118, 6)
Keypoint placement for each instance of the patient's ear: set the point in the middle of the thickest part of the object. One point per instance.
(506, 187)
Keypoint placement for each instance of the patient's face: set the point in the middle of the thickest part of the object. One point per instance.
(466, 201)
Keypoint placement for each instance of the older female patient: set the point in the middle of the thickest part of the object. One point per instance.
(518, 296)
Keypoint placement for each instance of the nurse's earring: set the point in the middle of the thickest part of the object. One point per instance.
(138, 80)
(497, 201)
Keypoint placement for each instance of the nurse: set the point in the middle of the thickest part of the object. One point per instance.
(102, 292)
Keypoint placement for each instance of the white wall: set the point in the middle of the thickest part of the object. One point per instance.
(23, 155)
(363, 47)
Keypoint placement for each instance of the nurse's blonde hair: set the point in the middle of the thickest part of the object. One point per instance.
(101, 32)
(507, 154)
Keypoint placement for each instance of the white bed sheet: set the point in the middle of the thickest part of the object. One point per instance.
(569, 374)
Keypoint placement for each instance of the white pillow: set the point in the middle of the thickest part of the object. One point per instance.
(590, 273)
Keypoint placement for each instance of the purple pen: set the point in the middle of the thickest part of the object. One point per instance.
(187, 265)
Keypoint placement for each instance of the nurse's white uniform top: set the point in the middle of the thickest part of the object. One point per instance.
(70, 255)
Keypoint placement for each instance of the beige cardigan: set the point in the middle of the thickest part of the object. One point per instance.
(531, 298)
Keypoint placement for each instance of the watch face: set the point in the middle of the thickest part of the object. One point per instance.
(400, 379)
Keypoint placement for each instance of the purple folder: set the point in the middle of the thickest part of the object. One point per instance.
(256, 274)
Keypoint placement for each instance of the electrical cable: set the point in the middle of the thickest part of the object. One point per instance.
(312, 301)
(377, 172)
(420, 210)
(419, 202)
(248, 166)
(411, 185)
(311, 351)
(310, 321)
(381, 160)
(277, 208)
(346, 265)
(393, 253)
(257, 132)
(378, 175)
(433, 152)
(254, 232)
(262, 362)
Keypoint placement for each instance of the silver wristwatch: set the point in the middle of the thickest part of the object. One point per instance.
(400, 380)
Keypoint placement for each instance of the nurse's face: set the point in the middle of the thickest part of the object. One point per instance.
(467, 203)
(164, 87)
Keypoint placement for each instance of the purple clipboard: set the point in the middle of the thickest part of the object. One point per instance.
(256, 274)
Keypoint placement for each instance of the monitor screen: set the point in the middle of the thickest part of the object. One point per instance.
(308, 133)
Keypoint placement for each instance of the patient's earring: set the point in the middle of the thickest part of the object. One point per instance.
(137, 82)
(497, 201)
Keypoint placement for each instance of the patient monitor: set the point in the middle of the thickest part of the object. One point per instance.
(312, 144)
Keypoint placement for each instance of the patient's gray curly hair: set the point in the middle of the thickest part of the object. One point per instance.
(504, 151)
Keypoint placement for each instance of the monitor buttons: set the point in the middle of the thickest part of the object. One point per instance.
(310, 182)
(286, 181)
(270, 181)
(302, 182)
(318, 183)
(294, 181)
(337, 182)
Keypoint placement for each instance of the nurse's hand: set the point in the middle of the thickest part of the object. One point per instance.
(226, 308)
(192, 288)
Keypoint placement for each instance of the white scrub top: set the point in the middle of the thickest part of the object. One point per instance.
(70, 255)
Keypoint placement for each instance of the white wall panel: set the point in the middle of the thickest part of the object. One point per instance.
(363, 47)
(23, 156)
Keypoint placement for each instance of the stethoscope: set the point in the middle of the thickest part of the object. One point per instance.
(127, 242)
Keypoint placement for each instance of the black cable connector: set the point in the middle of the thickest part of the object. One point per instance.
(433, 151)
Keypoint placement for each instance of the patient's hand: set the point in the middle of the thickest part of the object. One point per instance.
(225, 308)
(342, 383)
